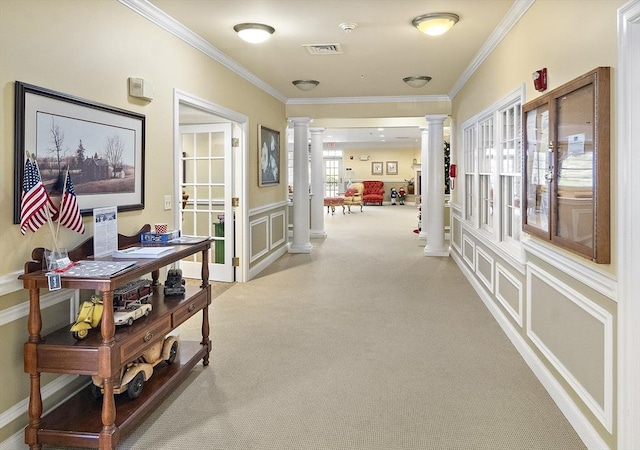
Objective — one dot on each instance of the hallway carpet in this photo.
(363, 344)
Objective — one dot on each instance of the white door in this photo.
(206, 178)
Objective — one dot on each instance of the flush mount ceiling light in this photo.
(417, 82)
(435, 24)
(254, 32)
(305, 85)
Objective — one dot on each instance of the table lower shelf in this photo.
(77, 422)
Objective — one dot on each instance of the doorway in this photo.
(209, 178)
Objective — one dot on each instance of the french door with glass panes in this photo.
(333, 173)
(206, 184)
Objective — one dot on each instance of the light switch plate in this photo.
(167, 202)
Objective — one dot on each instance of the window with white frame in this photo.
(486, 171)
(492, 166)
(469, 171)
(510, 171)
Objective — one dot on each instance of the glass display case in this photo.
(566, 166)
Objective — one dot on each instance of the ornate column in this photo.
(433, 213)
(317, 185)
(300, 242)
(424, 157)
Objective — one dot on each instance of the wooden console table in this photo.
(83, 421)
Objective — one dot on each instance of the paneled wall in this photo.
(562, 325)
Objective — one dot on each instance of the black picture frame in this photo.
(268, 156)
(102, 146)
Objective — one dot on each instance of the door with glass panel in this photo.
(206, 185)
(333, 173)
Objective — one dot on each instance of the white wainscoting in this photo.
(503, 273)
(255, 225)
(18, 312)
(469, 252)
(604, 412)
(481, 254)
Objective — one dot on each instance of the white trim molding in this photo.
(272, 217)
(518, 9)
(168, 23)
(603, 412)
(599, 281)
(9, 283)
(488, 282)
(252, 225)
(628, 223)
(574, 415)
(504, 272)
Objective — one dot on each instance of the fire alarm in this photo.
(540, 79)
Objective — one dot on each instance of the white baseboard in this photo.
(259, 267)
(578, 421)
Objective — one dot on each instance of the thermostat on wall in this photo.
(140, 88)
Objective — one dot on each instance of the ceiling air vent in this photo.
(324, 49)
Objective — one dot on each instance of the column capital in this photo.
(433, 118)
(317, 130)
(300, 120)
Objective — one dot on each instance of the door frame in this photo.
(628, 220)
(240, 165)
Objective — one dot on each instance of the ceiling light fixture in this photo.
(305, 85)
(417, 81)
(435, 24)
(254, 32)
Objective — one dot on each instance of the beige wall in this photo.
(89, 49)
(560, 306)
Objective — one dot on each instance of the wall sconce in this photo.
(254, 32)
(540, 79)
(417, 81)
(435, 24)
(305, 85)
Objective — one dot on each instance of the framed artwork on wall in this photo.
(99, 146)
(376, 168)
(269, 156)
(392, 167)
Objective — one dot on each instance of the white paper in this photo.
(576, 144)
(105, 231)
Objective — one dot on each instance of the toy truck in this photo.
(134, 374)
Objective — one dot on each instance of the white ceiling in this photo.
(382, 50)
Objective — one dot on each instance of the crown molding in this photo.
(512, 17)
(166, 22)
(382, 99)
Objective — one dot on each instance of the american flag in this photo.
(36, 204)
(69, 211)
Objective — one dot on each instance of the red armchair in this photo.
(373, 192)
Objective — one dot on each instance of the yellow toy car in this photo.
(134, 374)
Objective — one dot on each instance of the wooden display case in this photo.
(566, 166)
(83, 421)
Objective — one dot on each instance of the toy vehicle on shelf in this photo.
(134, 374)
(133, 311)
(89, 317)
(174, 285)
(135, 290)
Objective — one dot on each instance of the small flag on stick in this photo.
(36, 206)
(70, 216)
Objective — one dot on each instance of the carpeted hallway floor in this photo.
(363, 344)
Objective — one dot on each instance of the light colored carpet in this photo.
(363, 344)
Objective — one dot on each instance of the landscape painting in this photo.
(101, 147)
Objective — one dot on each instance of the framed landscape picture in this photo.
(269, 156)
(100, 146)
(376, 168)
